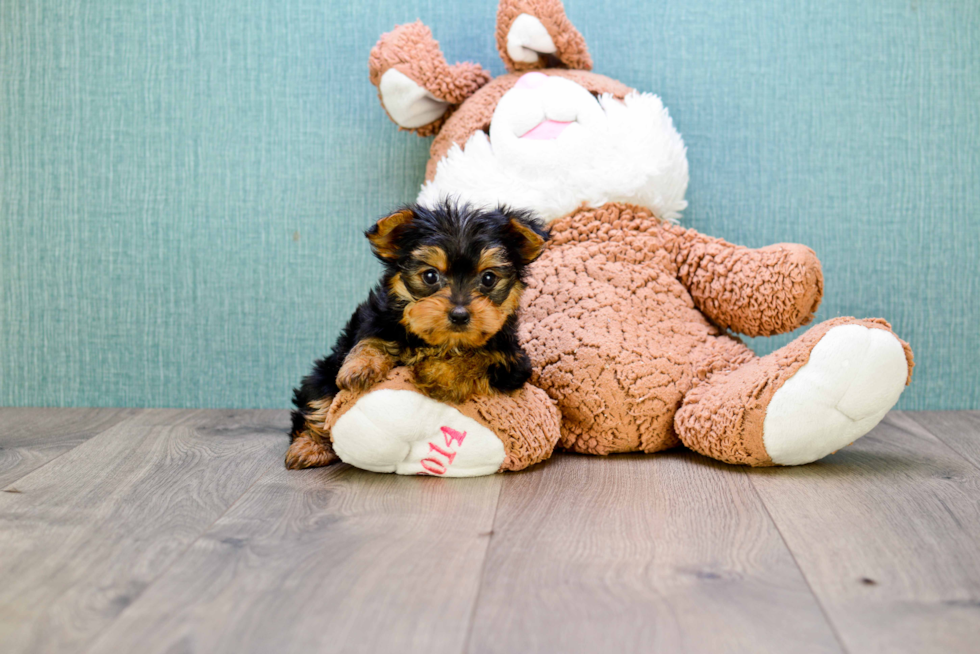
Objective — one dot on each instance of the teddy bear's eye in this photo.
(430, 277)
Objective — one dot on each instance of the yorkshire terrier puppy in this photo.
(446, 307)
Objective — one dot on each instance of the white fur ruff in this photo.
(625, 151)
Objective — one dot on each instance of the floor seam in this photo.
(792, 554)
(940, 439)
(483, 567)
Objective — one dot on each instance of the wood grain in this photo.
(887, 532)
(959, 430)
(31, 437)
(641, 553)
(90, 531)
(179, 531)
(331, 559)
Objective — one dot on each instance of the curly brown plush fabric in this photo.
(625, 320)
(614, 334)
(761, 292)
(570, 47)
(525, 421)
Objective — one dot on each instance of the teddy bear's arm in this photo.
(771, 290)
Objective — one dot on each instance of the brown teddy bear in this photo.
(628, 318)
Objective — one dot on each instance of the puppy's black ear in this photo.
(384, 234)
(529, 233)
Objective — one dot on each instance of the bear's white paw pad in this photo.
(853, 377)
(409, 434)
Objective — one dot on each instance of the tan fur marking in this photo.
(381, 234)
(492, 258)
(533, 242)
(453, 374)
(486, 318)
(398, 288)
(434, 256)
(306, 452)
(428, 318)
(366, 364)
(312, 448)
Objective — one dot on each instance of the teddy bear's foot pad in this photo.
(410, 434)
(853, 377)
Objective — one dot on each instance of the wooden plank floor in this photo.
(180, 531)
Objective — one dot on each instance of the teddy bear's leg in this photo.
(394, 428)
(804, 401)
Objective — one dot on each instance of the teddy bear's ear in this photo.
(416, 86)
(537, 34)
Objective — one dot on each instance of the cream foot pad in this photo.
(853, 377)
(409, 434)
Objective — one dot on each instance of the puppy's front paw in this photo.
(364, 367)
(360, 375)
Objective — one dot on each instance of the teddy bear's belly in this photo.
(617, 345)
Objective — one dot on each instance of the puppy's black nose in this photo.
(459, 316)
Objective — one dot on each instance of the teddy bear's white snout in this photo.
(553, 146)
(541, 108)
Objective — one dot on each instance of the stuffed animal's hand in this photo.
(756, 292)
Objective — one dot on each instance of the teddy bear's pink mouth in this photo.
(546, 130)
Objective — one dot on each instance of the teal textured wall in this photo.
(183, 184)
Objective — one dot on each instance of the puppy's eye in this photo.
(430, 277)
(488, 279)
